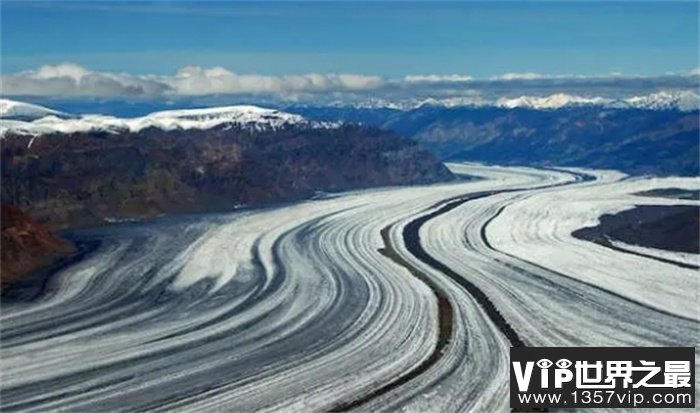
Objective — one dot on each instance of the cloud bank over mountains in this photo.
(69, 80)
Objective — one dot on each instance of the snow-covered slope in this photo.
(25, 118)
(249, 117)
(684, 100)
(240, 114)
(555, 101)
(11, 109)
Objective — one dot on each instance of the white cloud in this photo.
(520, 76)
(196, 82)
(538, 76)
(63, 70)
(694, 72)
(68, 79)
(437, 78)
(611, 75)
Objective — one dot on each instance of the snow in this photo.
(555, 101)
(246, 116)
(538, 228)
(27, 119)
(13, 109)
(684, 100)
(294, 308)
(238, 114)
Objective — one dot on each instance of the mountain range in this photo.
(660, 141)
(84, 170)
(65, 171)
(679, 99)
(656, 133)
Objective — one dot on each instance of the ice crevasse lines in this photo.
(295, 308)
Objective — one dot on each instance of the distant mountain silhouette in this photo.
(637, 141)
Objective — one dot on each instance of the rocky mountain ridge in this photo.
(26, 244)
(204, 160)
(188, 161)
(636, 141)
(19, 118)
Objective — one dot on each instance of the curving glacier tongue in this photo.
(328, 304)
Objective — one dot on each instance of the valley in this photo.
(303, 301)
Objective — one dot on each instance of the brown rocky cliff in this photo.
(26, 244)
(90, 178)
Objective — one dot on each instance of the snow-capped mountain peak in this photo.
(12, 109)
(245, 116)
(685, 100)
(555, 101)
(237, 112)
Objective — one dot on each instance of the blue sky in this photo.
(388, 39)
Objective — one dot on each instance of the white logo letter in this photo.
(523, 379)
(562, 376)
